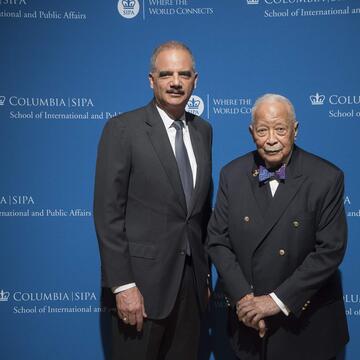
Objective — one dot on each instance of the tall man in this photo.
(277, 237)
(152, 204)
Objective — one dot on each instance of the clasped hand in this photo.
(251, 310)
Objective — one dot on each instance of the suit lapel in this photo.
(284, 195)
(259, 191)
(198, 148)
(160, 141)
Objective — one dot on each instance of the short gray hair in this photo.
(273, 98)
(170, 45)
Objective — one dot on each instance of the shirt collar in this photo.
(167, 120)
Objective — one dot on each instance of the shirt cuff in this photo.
(280, 304)
(118, 289)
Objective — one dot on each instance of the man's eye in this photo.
(281, 130)
(164, 74)
(185, 74)
(261, 131)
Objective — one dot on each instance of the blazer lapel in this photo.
(260, 195)
(198, 148)
(284, 195)
(160, 141)
(259, 191)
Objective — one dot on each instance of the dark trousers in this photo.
(173, 338)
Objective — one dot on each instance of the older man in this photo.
(277, 237)
(152, 204)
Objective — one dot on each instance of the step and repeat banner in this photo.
(66, 67)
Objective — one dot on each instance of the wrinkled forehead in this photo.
(173, 58)
(270, 111)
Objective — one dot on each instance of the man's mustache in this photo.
(176, 91)
(268, 149)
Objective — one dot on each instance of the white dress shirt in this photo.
(171, 131)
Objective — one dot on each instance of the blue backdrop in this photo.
(68, 66)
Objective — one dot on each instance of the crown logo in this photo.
(252, 2)
(128, 8)
(2, 100)
(193, 104)
(4, 295)
(128, 4)
(317, 99)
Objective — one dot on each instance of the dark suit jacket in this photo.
(140, 211)
(292, 245)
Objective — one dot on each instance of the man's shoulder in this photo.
(202, 121)
(128, 118)
(318, 166)
(198, 120)
(241, 164)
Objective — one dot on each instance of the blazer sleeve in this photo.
(113, 168)
(208, 208)
(220, 248)
(328, 252)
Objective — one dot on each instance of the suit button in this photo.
(296, 223)
(182, 252)
(246, 219)
(281, 252)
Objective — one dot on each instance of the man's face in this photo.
(173, 80)
(273, 132)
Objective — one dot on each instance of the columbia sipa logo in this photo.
(4, 295)
(252, 2)
(128, 8)
(2, 100)
(195, 105)
(317, 99)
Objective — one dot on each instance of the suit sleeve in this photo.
(328, 252)
(208, 207)
(220, 247)
(111, 186)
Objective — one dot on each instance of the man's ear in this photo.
(251, 131)
(296, 128)
(151, 80)
(196, 80)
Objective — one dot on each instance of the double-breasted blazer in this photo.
(291, 244)
(140, 212)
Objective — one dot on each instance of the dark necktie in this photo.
(183, 161)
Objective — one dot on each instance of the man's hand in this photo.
(251, 310)
(130, 307)
(260, 326)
